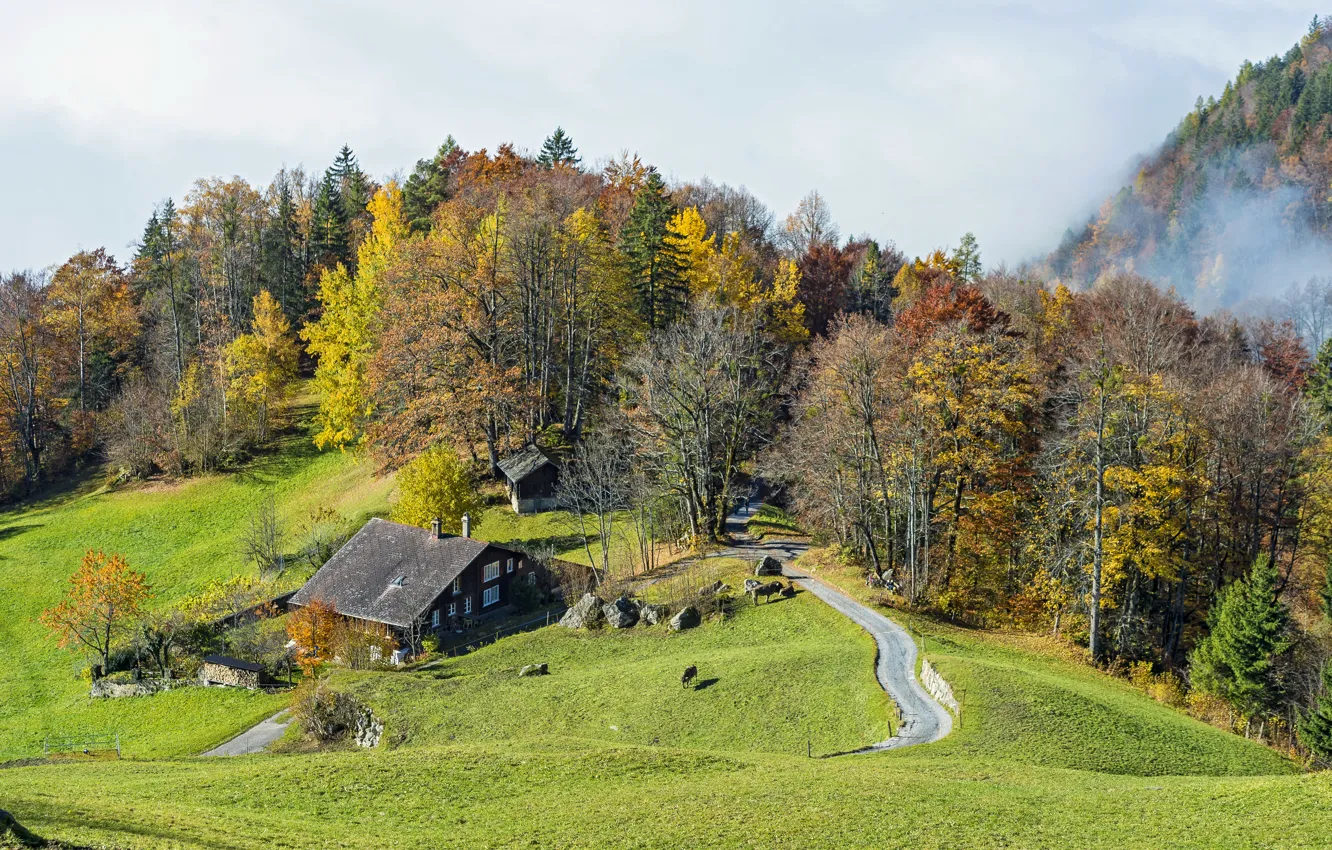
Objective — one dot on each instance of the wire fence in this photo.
(96, 745)
(486, 638)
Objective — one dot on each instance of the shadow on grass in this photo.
(703, 684)
(15, 530)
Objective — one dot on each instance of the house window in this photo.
(492, 571)
(457, 586)
(467, 605)
(531, 578)
(434, 619)
(490, 597)
(508, 567)
(453, 609)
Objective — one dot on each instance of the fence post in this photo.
(117, 745)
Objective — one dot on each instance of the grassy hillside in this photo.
(1048, 754)
(181, 535)
(771, 678)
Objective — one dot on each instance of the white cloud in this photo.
(916, 122)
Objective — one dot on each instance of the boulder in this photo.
(369, 729)
(713, 589)
(584, 614)
(653, 614)
(534, 670)
(769, 566)
(688, 618)
(752, 584)
(620, 614)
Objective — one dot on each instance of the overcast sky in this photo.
(917, 121)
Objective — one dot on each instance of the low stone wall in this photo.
(102, 689)
(937, 687)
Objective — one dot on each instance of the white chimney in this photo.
(436, 528)
(467, 525)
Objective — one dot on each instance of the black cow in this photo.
(690, 674)
(767, 591)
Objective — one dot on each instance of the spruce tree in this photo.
(559, 149)
(1248, 632)
(968, 260)
(1318, 382)
(329, 242)
(655, 269)
(428, 187)
(282, 261)
(353, 185)
(1316, 727)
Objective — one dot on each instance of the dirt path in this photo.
(923, 720)
(255, 739)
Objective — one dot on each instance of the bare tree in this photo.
(595, 485)
(262, 543)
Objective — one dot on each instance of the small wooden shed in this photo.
(232, 672)
(531, 477)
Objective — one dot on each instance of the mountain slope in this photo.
(1235, 207)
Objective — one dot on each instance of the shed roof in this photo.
(389, 572)
(234, 663)
(518, 466)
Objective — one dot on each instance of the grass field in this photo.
(181, 535)
(608, 750)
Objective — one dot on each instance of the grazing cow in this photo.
(690, 674)
(767, 591)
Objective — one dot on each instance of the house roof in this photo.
(389, 572)
(235, 663)
(519, 466)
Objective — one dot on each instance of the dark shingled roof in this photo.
(529, 460)
(389, 572)
(235, 663)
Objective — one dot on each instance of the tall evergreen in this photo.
(1248, 632)
(967, 257)
(353, 186)
(655, 267)
(1318, 382)
(330, 243)
(1316, 727)
(282, 255)
(428, 187)
(559, 149)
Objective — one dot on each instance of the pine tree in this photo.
(968, 259)
(353, 186)
(329, 243)
(1248, 632)
(282, 254)
(1318, 382)
(559, 149)
(655, 268)
(428, 187)
(1316, 727)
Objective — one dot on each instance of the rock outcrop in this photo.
(688, 618)
(620, 614)
(584, 614)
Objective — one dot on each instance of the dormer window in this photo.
(457, 586)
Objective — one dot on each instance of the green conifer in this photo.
(655, 268)
(559, 149)
(1248, 632)
(1315, 728)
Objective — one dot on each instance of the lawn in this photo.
(777, 677)
(181, 535)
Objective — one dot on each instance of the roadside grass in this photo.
(1022, 704)
(771, 520)
(182, 535)
(776, 677)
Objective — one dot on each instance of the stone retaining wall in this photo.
(937, 687)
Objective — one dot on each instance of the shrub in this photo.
(524, 597)
(325, 714)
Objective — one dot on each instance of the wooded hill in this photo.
(1235, 206)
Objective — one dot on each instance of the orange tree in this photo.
(314, 627)
(104, 600)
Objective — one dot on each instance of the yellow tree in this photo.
(261, 364)
(104, 600)
(341, 341)
(91, 310)
(437, 485)
(687, 235)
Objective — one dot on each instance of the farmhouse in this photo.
(398, 580)
(531, 476)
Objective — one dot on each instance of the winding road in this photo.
(923, 719)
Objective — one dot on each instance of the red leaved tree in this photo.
(104, 601)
